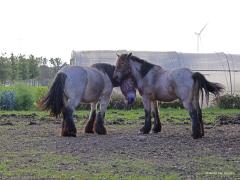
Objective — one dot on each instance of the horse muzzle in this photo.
(131, 97)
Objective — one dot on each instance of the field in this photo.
(31, 147)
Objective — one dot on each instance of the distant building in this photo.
(219, 67)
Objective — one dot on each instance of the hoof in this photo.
(196, 136)
(69, 134)
(143, 130)
(88, 129)
(156, 130)
(101, 131)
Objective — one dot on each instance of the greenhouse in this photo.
(218, 67)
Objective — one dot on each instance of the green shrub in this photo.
(8, 100)
(24, 96)
(39, 93)
(117, 101)
(229, 101)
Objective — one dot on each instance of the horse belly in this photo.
(92, 93)
(94, 88)
(166, 96)
(165, 93)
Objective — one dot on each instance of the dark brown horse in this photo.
(92, 85)
(158, 84)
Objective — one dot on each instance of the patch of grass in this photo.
(172, 177)
(171, 115)
(36, 164)
(217, 167)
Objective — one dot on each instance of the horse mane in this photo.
(145, 66)
(108, 69)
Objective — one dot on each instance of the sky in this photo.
(53, 28)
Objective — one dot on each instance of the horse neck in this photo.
(109, 70)
(135, 69)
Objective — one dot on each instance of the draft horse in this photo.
(158, 84)
(74, 85)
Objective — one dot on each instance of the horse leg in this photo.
(197, 126)
(92, 117)
(199, 115)
(199, 112)
(68, 126)
(99, 123)
(147, 107)
(157, 124)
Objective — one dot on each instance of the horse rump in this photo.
(53, 101)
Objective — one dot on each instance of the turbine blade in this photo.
(202, 29)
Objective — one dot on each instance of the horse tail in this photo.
(54, 100)
(201, 83)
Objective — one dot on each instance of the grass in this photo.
(217, 167)
(70, 167)
(136, 115)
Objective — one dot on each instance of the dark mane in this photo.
(145, 66)
(108, 69)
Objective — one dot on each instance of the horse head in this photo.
(123, 68)
(128, 88)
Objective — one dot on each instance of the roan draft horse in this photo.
(74, 85)
(158, 84)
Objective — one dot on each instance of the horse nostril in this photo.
(130, 100)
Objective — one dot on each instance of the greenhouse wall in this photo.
(218, 67)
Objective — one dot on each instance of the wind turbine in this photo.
(198, 34)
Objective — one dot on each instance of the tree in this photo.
(56, 63)
(4, 69)
(33, 70)
(14, 68)
(22, 68)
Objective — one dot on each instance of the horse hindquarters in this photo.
(200, 84)
(54, 101)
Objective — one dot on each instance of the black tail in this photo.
(53, 101)
(208, 87)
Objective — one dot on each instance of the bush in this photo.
(8, 100)
(24, 97)
(117, 101)
(229, 101)
(39, 92)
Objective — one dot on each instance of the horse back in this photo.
(85, 83)
(165, 85)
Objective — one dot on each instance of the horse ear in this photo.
(118, 55)
(129, 55)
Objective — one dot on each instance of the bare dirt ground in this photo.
(33, 148)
